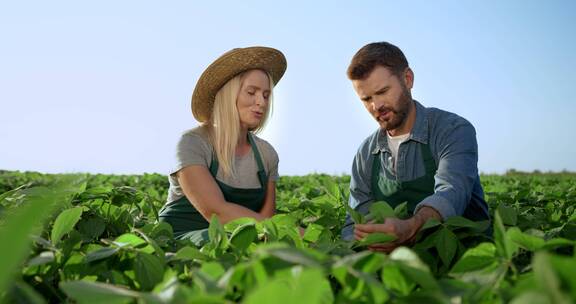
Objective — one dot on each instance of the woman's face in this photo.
(252, 102)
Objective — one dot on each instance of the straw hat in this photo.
(229, 65)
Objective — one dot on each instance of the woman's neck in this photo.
(243, 137)
(243, 146)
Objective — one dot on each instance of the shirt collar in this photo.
(418, 133)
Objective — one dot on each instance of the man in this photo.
(424, 156)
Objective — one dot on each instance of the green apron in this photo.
(395, 192)
(414, 191)
(188, 223)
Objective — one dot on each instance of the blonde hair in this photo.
(224, 124)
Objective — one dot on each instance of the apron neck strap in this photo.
(256, 152)
(261, 172)
(429, 161)
(262, 177)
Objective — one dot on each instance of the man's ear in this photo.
(408, 78)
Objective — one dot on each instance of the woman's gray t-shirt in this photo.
(194, 148)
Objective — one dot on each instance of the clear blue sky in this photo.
(105, 86)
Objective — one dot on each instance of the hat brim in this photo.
(227, 67)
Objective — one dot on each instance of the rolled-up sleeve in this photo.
(457, 169)
(360, 189)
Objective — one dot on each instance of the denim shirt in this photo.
(452, 141)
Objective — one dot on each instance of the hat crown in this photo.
(226, 67)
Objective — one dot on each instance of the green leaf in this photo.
(408, 257)
(334, 190)
(100, 254)
(15, 230)
(430, 223)
(216, 233)
(508, 214)
(375, 238)
(64, 223)
(446, 245)
(526, 241)
(394, 279)
(377, 293)
(313, 232)
(190, 253)
(401, 210)
(207, 282)
(302, 286)
(16, 190)
(26, 294)
(43, 258)
(558, 242)
(290, 254)
(214, 270)
(476, 258)
(564, 267)
(92, 227)
(548, 280)
(356, 216)
(94, 292)
(352, 259)
(259, 272)
(458, 221)
(241, 221)
(532, 297)
(243, 236)
(572, 217)
(504, 246)
(380, 210)
(149, 270)
(74, 266)
(134, 241)
(413, 268)
(371, 263)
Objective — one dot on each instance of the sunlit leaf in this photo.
(64, 223)
(94, 292)
(476, 258)
(380, 210)
(243, 236)
(376, 238)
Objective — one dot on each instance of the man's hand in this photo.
(404, 230)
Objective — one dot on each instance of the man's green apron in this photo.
(395, 192)
(188, 223)
(414, 191)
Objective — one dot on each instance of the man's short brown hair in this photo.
(374, 54)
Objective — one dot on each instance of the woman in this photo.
(223, 169)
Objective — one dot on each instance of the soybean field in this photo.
(79, 238)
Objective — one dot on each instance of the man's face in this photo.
(386, 97)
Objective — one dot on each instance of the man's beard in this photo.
(399, 115)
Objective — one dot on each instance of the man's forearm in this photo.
(424, 214)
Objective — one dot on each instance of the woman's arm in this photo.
(207, 197)
(270, 201)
